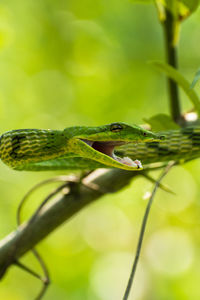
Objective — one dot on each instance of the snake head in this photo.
(98, 143)
(132, 133)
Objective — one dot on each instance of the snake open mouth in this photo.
(108, 148)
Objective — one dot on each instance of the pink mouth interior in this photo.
(107, 148)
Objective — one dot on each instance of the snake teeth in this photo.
(128, 161)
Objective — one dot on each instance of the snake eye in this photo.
(115, 127)
(144, 133)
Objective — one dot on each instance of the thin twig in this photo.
(69, 182)
(161, 186)
(46, 279)
(142, 230)
(38, 185)
(27, 269)
(52, 194)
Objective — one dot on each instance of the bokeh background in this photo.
(84, 62)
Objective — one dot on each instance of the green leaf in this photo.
(180, 9)
(161, 122)
(176, 7)
(196, 78)
(192, 5)
(180, 80)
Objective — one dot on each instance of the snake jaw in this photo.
(107, 148)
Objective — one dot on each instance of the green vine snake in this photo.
(82, 147)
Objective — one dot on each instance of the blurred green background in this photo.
(84, 62)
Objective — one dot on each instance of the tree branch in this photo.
(55, 213)
(170, 26)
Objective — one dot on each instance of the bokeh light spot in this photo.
(110, 275)
(170, 251)
(183, 185)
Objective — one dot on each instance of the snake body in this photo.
(179, 145)
(78, 147)
(30, 145)
(90, 147)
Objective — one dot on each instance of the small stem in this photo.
(169, 26)
(27, 269)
